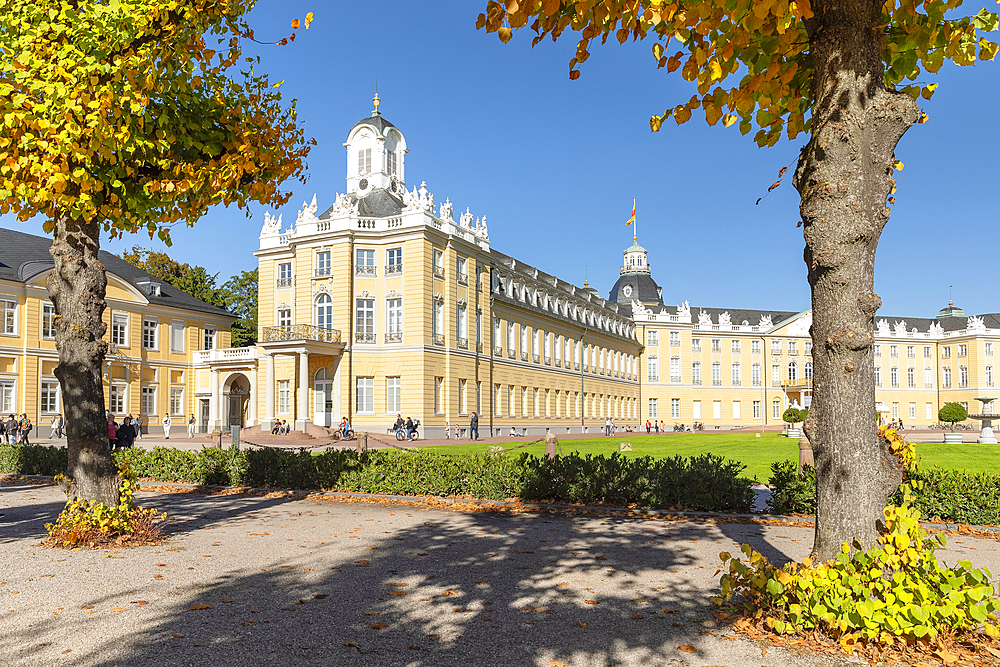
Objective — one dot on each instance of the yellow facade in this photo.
(154, 349)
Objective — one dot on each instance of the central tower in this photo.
(376, 153)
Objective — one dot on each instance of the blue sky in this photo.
(555, 163)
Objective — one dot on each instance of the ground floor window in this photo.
(716, 409)
(147, 401)
(928, 408)
(393, 395)
(283, 397)
(7, 397)
(365, 393)
(756, 409)
(176, 401)
(913, 410)
(675, 408)
(736, 410)
(50, 397)
(116, 404)
(696, 410)
(438, 407)
(776, 409)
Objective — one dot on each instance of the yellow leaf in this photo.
(504, 34)
(584, 625)
(714, 70)
(686, 648)
(309, 19)
(295, 24)
(897, 165)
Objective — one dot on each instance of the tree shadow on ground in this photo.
(777, 548)
(452, 588)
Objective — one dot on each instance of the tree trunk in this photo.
(77, 287)
(844, 176)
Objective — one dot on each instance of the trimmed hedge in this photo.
(707, 483)
(955, 496)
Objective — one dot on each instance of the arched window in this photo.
(324, 312)
(324, 375)
(793, 371)
(808, 370)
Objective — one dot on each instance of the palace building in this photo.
(388, 304)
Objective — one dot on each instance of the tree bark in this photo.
(844, 177)
(77, 287)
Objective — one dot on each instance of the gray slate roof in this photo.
(380, 124)
(23, 256)
(644, 289)
(380, 203)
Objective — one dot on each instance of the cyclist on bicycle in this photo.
(345, 427)
(411, 428)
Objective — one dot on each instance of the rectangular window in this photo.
(510, 337)
(716, 374)
(946, 352)
(461, 326)
(775, 375)
(716, 345)
(913, 411)
(50, 397)
(147, 401)
(946, 384)
(696, 345)
(716, 409)
(793, 347)
(116, 402)
(776, 409)
(756, 409)
(9, 316)
(675, 339)
(652, 409)
(989, 376)
(928, 378)
(394, 319)
(878, 350)
(989, 349)
(895, 410)
(177, 400)
(775, 347)
(285, 271)
(285, 317)
(460, 264)
(324, 267)
(696, 372)
(911, 352)
(48, 321)
(755, 347)
(734, 346)
(736, 410)
(119, 329)
(878, 376)
(534, 402)
(209, 338)
(963, 350)
(696, 410)
(675, 408)
(524, 401)
(894, 376)
(893, 351)
(364, 161)
(653, 369)
(284, 401)
(177, 337)
(927, 352)
(438, 398)
(149, 341)
(928, 411)
(364, 262)
(365, 321)
(755, 375)
(809, 347)
(911, 377)
(963, 376)
(395, 261)
(390, 162)
(510, 400)
(365, 395)
(737, 377)
(437, 258)
(675, 369)
(393, 395)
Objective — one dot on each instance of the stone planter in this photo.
(952, 438)
(793, 433)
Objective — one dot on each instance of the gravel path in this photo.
(311, 582)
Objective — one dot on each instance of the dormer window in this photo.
(364, 161)
(149, 287)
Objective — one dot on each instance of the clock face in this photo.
(627, 290)
(363, 184)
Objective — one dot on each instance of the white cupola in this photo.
(375, 156)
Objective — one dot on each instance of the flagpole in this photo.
(635, 223)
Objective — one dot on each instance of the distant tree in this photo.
(125, 116)
(953, 413)
(848, 74)
(790, 415)
(240, 293)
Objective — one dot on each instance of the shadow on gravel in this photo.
(27, 522)
(470, 589)
(755, 536)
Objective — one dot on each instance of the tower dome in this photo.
(375, 156)
(635, 282)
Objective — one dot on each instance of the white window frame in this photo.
(652, 407)
(210, 337)
(147, 400)
(9, 307)
(48, 328)
(176, 402)
(120, 334)
(675, 408)
(150, 330)
(393, 394)
(49, 397)
(284, 317)
(284, 403)
(119, 391)
(364, 395)
(175, 326)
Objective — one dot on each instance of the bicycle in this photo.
(401, 434)
(337, 436)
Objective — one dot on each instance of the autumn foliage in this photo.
(749, 58)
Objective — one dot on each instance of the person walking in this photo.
(607, 426)
(166, 426)
(126, 433)
(112, 434)
(24, 426)
(54, 427)
(12, 431)
(447, 431)
(474, 427)
(138, 427)
(191, 423)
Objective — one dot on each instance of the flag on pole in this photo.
(632, 219)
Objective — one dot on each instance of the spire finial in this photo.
(375, 101)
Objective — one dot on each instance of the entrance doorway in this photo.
(323, 392)
(204, 413)
(236, 401)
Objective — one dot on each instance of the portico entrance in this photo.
(323, 393)
(237, 401)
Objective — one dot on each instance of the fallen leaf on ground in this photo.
(582, 624)
(413, 647)
(423, 554)
(558, 663)
(591, 601)
(320, 596)
(945, 655)
(229, 600)
(118, 609)
(140, 602)
(396, 593)
(160, 564)
(397, 584)
(686, 648)
(671, 611)
(177, 636)
(600, 558)
(636, 617)
(371, 613)
(449, 592)
(198, 607)
(479, 582)
(721, 615)
(378, 626)
(302, 602)
(361, 562)
(352, 644)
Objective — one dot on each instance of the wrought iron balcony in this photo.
(324, 271)
(497, 351)
(479, 285)
(535, 358)
(394, 337)
(393, 269)
(511, 354)
(299, 332)
(360, 337)
(463, 343)
(439, 339)
(463, 279)
(285, 282)
(716, 383)
(524, 356)
(364, 270)
(479, 348)
(548, 361)
(439, 271)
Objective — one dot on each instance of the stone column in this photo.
(214, 410)
(302, 418)
(252, 416)
(269, 393)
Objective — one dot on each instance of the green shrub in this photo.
(706, 482)
(952, 412)
(791, 493)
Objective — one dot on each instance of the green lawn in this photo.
(756, 453)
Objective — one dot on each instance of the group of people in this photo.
(123, 435)
(655, 426)
(409, 425)
(14, 430)
(280, 427)
(473, 428)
